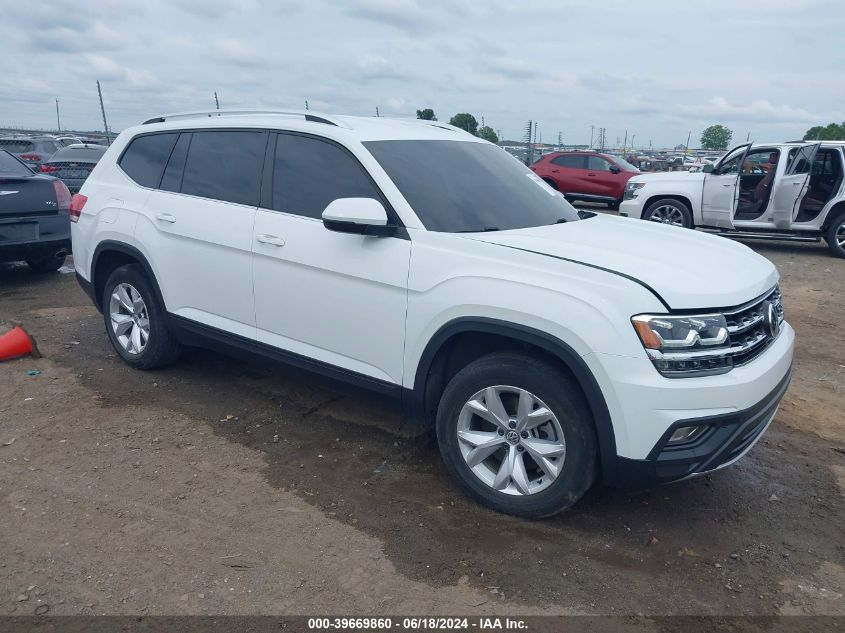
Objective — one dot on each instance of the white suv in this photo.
(547, 346)
(776, 191)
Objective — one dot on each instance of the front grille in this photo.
(748, 327)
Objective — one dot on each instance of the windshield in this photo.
(624, 164)
(460, 186)
(11, 166)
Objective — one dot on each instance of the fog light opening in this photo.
(686, 434)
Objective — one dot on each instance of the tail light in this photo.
(32, 157)
(76, 203)
(47, 169)
(62, 195)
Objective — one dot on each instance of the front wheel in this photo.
(835, 236)
(136, 321)
(517, 434)
(669, 211)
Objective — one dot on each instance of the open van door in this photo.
(793, 185)
(720, 193)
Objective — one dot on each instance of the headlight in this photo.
(686, 345)
(631, 189)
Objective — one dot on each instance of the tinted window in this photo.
(225, 166)
(82, 154)
(17, 146)
(172, 179)
(11, 166)
(309, 173)
(144, 159)
(462, 186)
(575, 161)
(597, 163)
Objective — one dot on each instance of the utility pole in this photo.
(58, 120)
(592, 127)
(103, 110)
(686, 147)
(748, 137)
(377, 114)
(216, 102)
(306, 104)
(559, 141)
(529, 149)
(633, 138)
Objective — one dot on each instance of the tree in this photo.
(465, 121)
(488, 134)
(832, 132)
(427, 114)
(716, 137)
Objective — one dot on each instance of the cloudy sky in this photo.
(658, 68)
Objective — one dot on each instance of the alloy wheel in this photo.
(840, 236)
(130, 321)
(511, 440)
(667, 214)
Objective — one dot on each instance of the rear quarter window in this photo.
(144, 160)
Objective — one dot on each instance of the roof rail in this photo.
(443, 126)
(308, 115)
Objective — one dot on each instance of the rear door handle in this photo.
(730, 185)
(273, 240)
(166, 217)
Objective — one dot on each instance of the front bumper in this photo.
(632, 208)
(727, 438)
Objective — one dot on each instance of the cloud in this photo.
(376, 67)
(235, 52)
(407, 15)
(757, 111)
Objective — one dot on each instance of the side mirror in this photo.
(707, 168)
(364, 216)
(614, 169)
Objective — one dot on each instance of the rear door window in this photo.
(144, 159)
(309, 173)
(597, 163)
(225, 165)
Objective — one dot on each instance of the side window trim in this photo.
(393, 218)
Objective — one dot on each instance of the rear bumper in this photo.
(34, 250)
(727, 438)
(88, 288)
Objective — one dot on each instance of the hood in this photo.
(666, 176)
(687, 269)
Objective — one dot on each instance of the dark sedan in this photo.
(32, 150)
(34, 216)
(73, 163)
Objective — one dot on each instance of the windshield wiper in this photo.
(486, 229)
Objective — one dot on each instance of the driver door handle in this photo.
(166, 217)
(273, 240)
(730, 185)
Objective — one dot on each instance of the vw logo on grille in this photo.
(771, 319)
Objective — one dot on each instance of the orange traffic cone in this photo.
(16, 343)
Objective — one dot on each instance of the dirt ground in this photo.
(219, 486)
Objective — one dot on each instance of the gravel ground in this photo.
(219, 486)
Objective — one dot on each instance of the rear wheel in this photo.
(136, 321)
(835, 236)
(517, 434)
(669, 211)
(49, 264)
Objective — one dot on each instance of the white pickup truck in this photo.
(776, 191)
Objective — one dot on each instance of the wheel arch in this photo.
(432, 372)
(833, 213)
(108, 256)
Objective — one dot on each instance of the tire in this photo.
(160, 347)
(49, 264)
(669, 211)
(576, 466)
(835, 236)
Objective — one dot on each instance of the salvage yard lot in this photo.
(221, 486)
